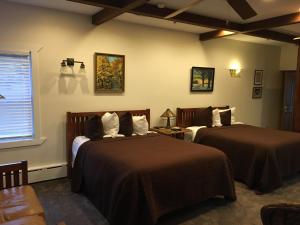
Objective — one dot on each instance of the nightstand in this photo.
(172, 133)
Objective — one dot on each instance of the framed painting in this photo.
(257, 92)
(109, 73)
(258, 77)
(202, 79)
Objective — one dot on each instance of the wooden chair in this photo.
(281, 214)
(10, 174)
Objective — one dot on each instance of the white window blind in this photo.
(16, 105)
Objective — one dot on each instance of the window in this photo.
(16, 100)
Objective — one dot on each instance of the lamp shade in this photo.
(168, 113)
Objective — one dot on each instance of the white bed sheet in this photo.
(190, 136)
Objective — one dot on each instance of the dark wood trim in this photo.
(268, 34)
(105, 15)
(112, 4)
(273, 22)
(297, 96)
(115, 8)
(75, 127)
(273, 35)
(185, 17)
(185, 116)
(242, 8)
(11, 173)
(109, 13)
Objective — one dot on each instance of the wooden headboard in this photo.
(75, 127)
(184, 116)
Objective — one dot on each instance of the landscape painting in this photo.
(109, 73)
(202, 79)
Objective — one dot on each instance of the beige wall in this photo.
(288, 57)
(158, 64)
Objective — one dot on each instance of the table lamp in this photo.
(168, 114)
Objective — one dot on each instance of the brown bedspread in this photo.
(260, 157)
(135, 180)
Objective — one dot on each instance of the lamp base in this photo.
(168, 123)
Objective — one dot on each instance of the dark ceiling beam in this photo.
(259, 25)
(185, 17)
(109, 13)
(114, 8)
(111, 4)
(279, 21)
(268, 34)
(242, 8)
(273, 35)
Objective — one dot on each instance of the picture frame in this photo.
(257, 92)
(202, 79)
(109, 73)
(258, 77)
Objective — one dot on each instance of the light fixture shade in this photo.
(82, 71)
(67, 67)
(233, 72)
(63, 69)
(168, 113)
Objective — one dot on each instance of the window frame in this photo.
(37, 139)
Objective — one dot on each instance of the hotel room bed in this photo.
(261, 158)
(135, 180)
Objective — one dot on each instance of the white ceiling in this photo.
(213, 8)
(132, 18)
(61, 5)
(221, 9)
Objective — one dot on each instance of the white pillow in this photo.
(232, 114)
(216, 119)
(110, 123)
(140, 125)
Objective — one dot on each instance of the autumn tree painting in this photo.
(202, 79)
(109, 73)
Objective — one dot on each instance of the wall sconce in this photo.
(235, 70)
(70, 62)
(234, 73)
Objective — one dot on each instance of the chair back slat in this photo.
(16, 178)
(11, 174)
(1, 180)
(8, 179)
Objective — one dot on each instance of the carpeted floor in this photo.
(62, 205)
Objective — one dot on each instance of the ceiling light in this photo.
(226, 33)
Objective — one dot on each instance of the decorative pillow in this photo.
(232, 113)
(203, 117)
(110, 123)
(226, 118)
(216, 119)
(93, 128)
(126, 126)
(140, 125)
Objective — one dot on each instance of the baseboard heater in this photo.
(49, 172)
